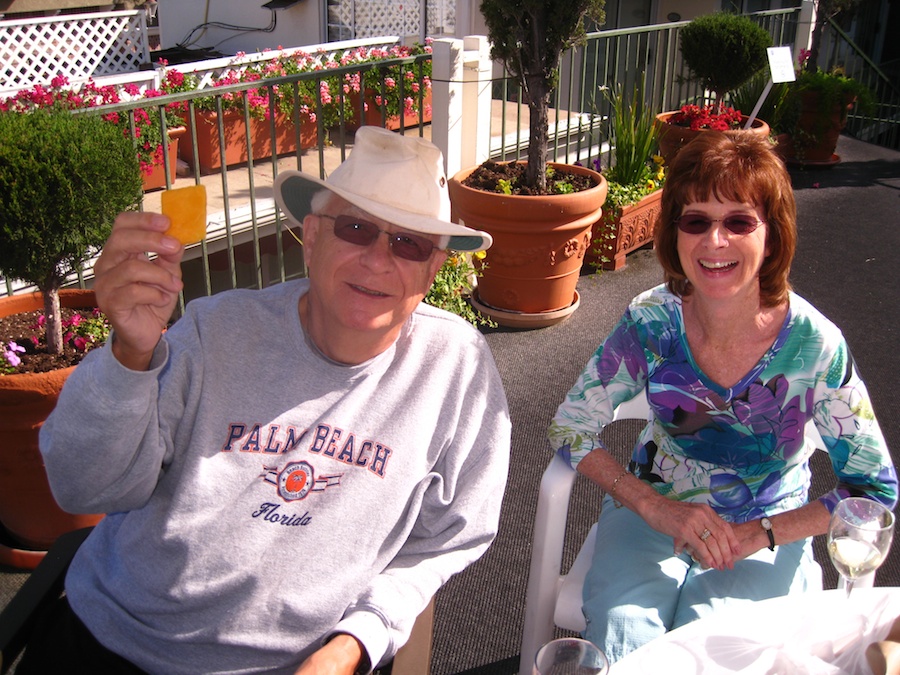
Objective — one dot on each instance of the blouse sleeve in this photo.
(844, 418)
(616, 372)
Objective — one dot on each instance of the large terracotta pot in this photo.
(672, 138)
(235, 137)
(816, 133)
(632, 229)
(156, 179)
(539, 243)
(28, 512)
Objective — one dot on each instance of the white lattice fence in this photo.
(79, 46)
(382, 17)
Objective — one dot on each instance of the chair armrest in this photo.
(547, 549)
(43, 586)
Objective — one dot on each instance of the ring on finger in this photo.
(705, 534)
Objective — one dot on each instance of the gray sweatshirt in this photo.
(261, 497)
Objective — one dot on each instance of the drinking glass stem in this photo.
(849, 584)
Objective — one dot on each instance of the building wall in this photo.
(300, 24)
(685, 9)
(15, 6)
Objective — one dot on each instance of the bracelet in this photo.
(612, 490)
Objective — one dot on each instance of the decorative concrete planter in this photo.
(633, 229)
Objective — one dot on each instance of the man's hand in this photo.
(138, 295)
(340, 656)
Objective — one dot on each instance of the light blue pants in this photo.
(637, 589)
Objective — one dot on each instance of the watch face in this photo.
(767, 525)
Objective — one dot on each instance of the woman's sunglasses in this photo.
(696, 223)
(363, 233)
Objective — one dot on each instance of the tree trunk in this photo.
(538, 105)
(53, 318)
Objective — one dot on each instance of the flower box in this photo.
(372, 114)
(634, 229)
(235, 136)
(156, 179)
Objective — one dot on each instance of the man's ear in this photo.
(310, 233)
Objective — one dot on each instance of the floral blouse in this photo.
(741, 450)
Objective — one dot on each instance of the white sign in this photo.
(781, 64)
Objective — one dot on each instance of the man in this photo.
(290, 474)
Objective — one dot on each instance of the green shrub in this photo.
(63, 179)
(724, 50)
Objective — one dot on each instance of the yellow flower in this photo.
(660, 174)
(659, 159)
(651, 185)
(481, 255)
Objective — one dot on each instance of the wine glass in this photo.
(570, 656)
(859, 537)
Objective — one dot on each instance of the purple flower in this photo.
(10, 354)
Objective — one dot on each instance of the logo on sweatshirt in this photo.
(297, 479)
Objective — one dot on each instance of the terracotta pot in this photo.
(539, 242)
(817, 132)
(235, 137)
(28, 511)
(672, 138)
(634, 229)
(157, 177)
(372, 114)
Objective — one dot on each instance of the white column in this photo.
(461, 101)
(446, 99)
(805, 24)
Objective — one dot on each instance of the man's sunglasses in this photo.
(363, 233)
(696, 223)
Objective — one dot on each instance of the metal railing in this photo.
(248, 244)
(581, 129)
(882, 125)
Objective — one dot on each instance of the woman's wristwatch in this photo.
(767, 526)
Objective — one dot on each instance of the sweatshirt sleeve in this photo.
(103, 445)
(459, 510)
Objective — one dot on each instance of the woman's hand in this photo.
(138, 295)
(339, 656)
(695, 528)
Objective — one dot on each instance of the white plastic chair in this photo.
(552, 598)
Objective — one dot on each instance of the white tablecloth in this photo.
(818, 633)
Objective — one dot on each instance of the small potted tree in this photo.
(814, 108)
(539, 214)
(63, 178)
(722, 51)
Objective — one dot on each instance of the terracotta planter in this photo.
(816, 132)
(634, 229)
(28, 511)
(672, 137)
(372, 114)
(235, 137)
(539, 243)
(157, 177)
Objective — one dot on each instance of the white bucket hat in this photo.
(396, 178)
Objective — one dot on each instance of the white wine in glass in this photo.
(859, 537)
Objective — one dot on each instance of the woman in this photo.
(734, 364)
